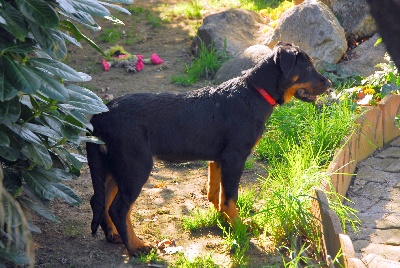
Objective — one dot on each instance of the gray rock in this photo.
(236, 65)
(364, 58)
(234, 29)
(313, 27)
(354, 17)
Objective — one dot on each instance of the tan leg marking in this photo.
(228, 208)
(135, 244)
(214, 183)
(111, 190)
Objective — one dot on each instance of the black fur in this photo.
(220, 124)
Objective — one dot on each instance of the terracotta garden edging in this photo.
(375, 129)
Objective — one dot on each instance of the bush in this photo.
(42, 112)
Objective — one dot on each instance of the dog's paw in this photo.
(114, 238)
(145, 248)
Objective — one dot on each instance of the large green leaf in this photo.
(50, 41)
(2, 21)
(9, 153)
(119, 8)
(39, 184)
(4, 140)
(126, 2)
(14, 256)
(16, 24)
(91, 139)
(75, 164)
(10, 111)
(66, 6)
(57, 68)
(76, 118)
(83, 18)
(67, 194)
(90, 6)
(54, 123)
(55, 174)
(43, 130)
(85, 100)
(42, 211)
(25, 134)
(19, 48)
(70, 27)
(20, 77)
(38, 154)
(39, 12)
(7, 91)
(51, 87)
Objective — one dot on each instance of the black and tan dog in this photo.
(220, 124)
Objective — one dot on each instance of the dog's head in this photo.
(286, 72)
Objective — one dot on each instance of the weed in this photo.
(152, 257)
(201, 261)
(205, 66)
(111, 35)
(154, 21)
(73, 230)
(237, 239)
(200, 219)
(190, 10)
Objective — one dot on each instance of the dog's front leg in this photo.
(214, 183)
(232, 166)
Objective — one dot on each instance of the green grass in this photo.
(111, 35)
(190, 10)
(237, 240)
(322, 128)
(201, 261)
(200, 219)
(299, 143)
(205, 66)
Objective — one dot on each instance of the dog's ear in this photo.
(285, 57)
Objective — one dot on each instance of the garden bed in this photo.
(376, 128)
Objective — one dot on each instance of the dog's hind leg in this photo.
(107, 225)
(214, 183)
(132, 168)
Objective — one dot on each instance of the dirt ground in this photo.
(172, 190)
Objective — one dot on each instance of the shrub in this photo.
(42, 112)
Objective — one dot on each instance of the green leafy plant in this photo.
(200, 261)
(205, 66)
(42, 111)
(383, 82)
(200, 219)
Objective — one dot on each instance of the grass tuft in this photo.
(205, 66)
(200, 219)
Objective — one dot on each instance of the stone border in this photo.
(375, 128)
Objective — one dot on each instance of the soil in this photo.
(171, 192)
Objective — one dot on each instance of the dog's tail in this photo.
(98, 174)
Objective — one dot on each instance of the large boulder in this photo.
(355, 18)
(236, 65)
(313, 27)
(364, 58)
(233, 30)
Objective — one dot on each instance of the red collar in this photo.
(267, 97)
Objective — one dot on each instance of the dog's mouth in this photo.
(303, 95)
